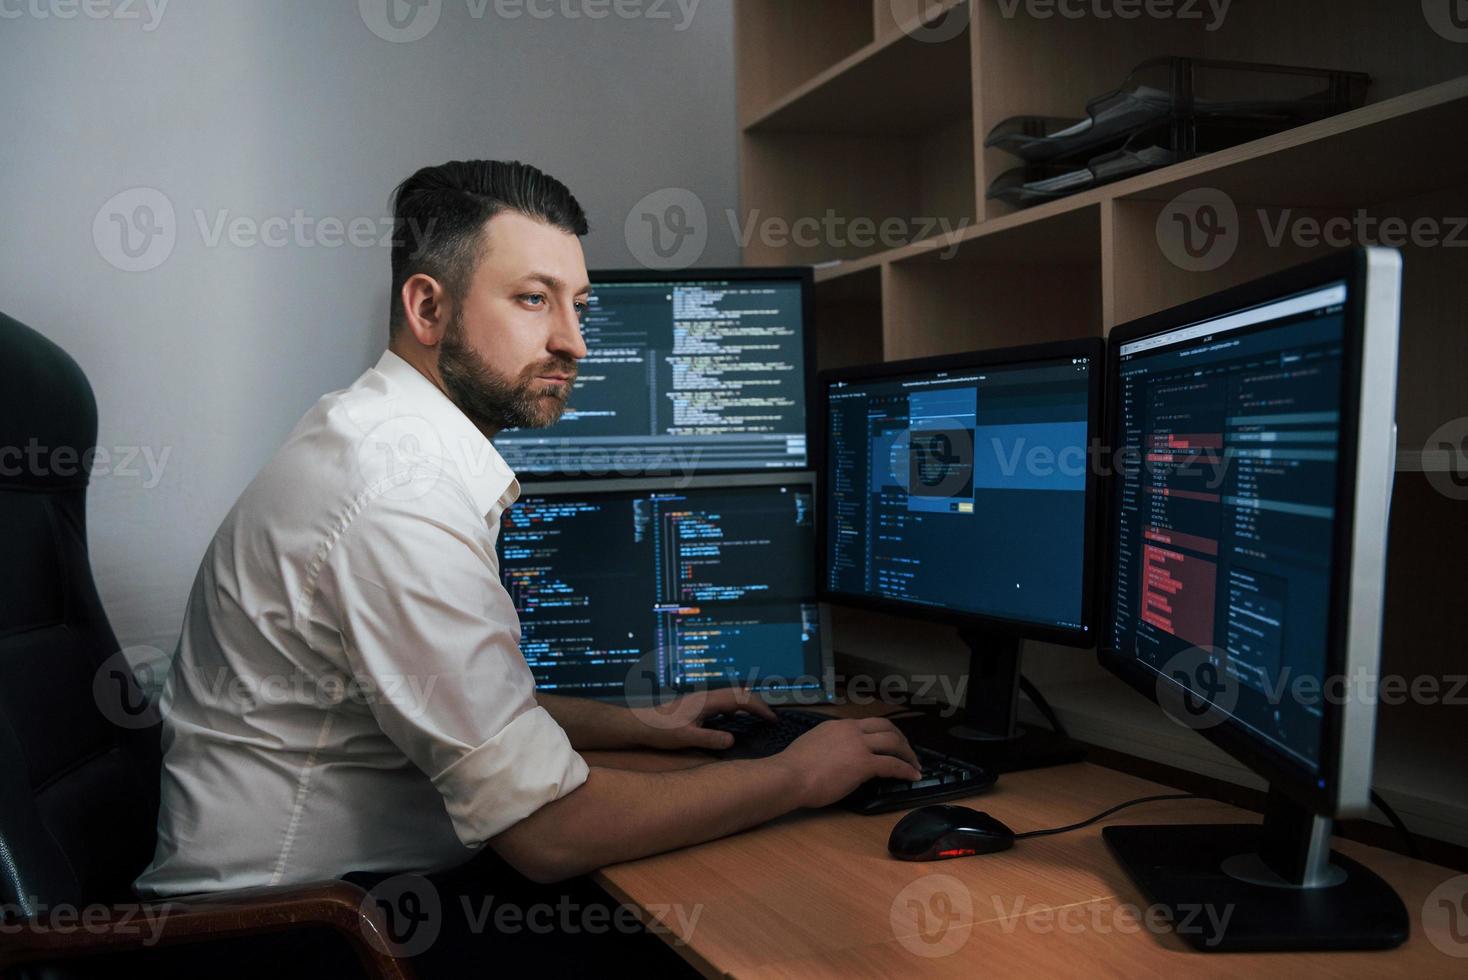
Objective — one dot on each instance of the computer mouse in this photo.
(942, 831)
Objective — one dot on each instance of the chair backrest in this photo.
(78, 792)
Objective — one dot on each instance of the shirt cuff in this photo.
(528, 764)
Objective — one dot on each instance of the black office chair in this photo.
(78, 793)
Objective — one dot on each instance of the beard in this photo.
(493, 400)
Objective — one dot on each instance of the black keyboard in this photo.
(944, 777)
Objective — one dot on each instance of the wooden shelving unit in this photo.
(877, 109)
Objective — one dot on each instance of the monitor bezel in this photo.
(1083, 636)
(804, 275)
(1344, 792)
(800, 478)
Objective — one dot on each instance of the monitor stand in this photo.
(989, 733)
(1271, 887)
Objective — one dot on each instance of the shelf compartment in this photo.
(1025, 284)
(1052, 66)
(848, 320)
(779, 45)
(899, 85)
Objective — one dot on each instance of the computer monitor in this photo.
(1248, 526)
(959, 488)
(700, 371)
(633, 591)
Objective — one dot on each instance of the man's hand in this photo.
(678, 724)
(835, 757)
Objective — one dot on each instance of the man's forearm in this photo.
(656, 812)
(594, 724)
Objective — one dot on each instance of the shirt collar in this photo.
(486, 475)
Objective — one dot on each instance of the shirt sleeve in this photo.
(429, 629)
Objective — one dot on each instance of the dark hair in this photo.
(440, 212)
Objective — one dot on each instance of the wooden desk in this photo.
(815, 894)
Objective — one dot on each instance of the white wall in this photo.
(258, 108)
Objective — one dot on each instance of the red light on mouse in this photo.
(957, 852)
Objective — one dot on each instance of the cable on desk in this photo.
(1396, 821)
(1033, 693)
(1106, 813)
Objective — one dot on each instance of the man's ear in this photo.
(427, 309)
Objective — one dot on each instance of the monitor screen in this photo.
(628, 592)
(685, 373)
(964, 488)
(1224, 512)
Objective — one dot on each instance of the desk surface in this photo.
(815, 894)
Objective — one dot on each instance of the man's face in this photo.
(508, 358)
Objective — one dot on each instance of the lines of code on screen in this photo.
(680, 376)
(706, 586)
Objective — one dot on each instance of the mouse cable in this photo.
(1396, 821)
(1408, 840)
(1106, 813)
(1033, 693)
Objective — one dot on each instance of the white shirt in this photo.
(348, 693)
